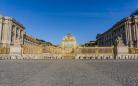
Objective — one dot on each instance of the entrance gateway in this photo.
(69, 46)
(68, 49)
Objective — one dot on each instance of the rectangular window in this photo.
(1, 31)
(16, 32)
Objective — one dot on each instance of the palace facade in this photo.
(90, 44)
(12, 32)
(126, 28)
(29, 40)
(16, 44)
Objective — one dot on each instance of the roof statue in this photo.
(69, 41)
(69, 38)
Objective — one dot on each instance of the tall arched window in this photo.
(12, 33)
(1, 32)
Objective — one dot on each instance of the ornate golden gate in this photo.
(68, 53)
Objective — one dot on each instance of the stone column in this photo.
(21, 36)
(19, 33)
(1, 27)
(14, 34)
(126, 32)
(22, 33)
(136, 33)
(130, 35)
(10, 33)
(5, 33)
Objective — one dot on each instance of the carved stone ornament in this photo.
(119, 42)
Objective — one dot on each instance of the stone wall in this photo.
(103, 53)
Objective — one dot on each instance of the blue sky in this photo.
(52, 19)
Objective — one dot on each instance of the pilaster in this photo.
(1, 27)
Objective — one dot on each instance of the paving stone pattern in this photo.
(68, 73)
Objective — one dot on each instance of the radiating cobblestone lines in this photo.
(68, 73)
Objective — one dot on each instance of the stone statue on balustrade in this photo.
(16, 48)
(120, 46)
(119, 42)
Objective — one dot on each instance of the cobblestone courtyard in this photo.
(68, 73)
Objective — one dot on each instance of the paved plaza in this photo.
(68, 73)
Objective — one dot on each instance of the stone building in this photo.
(90, 44)
(126, 28)
(13, 32)
(10, 31)
(16, 44)
(29, 40)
